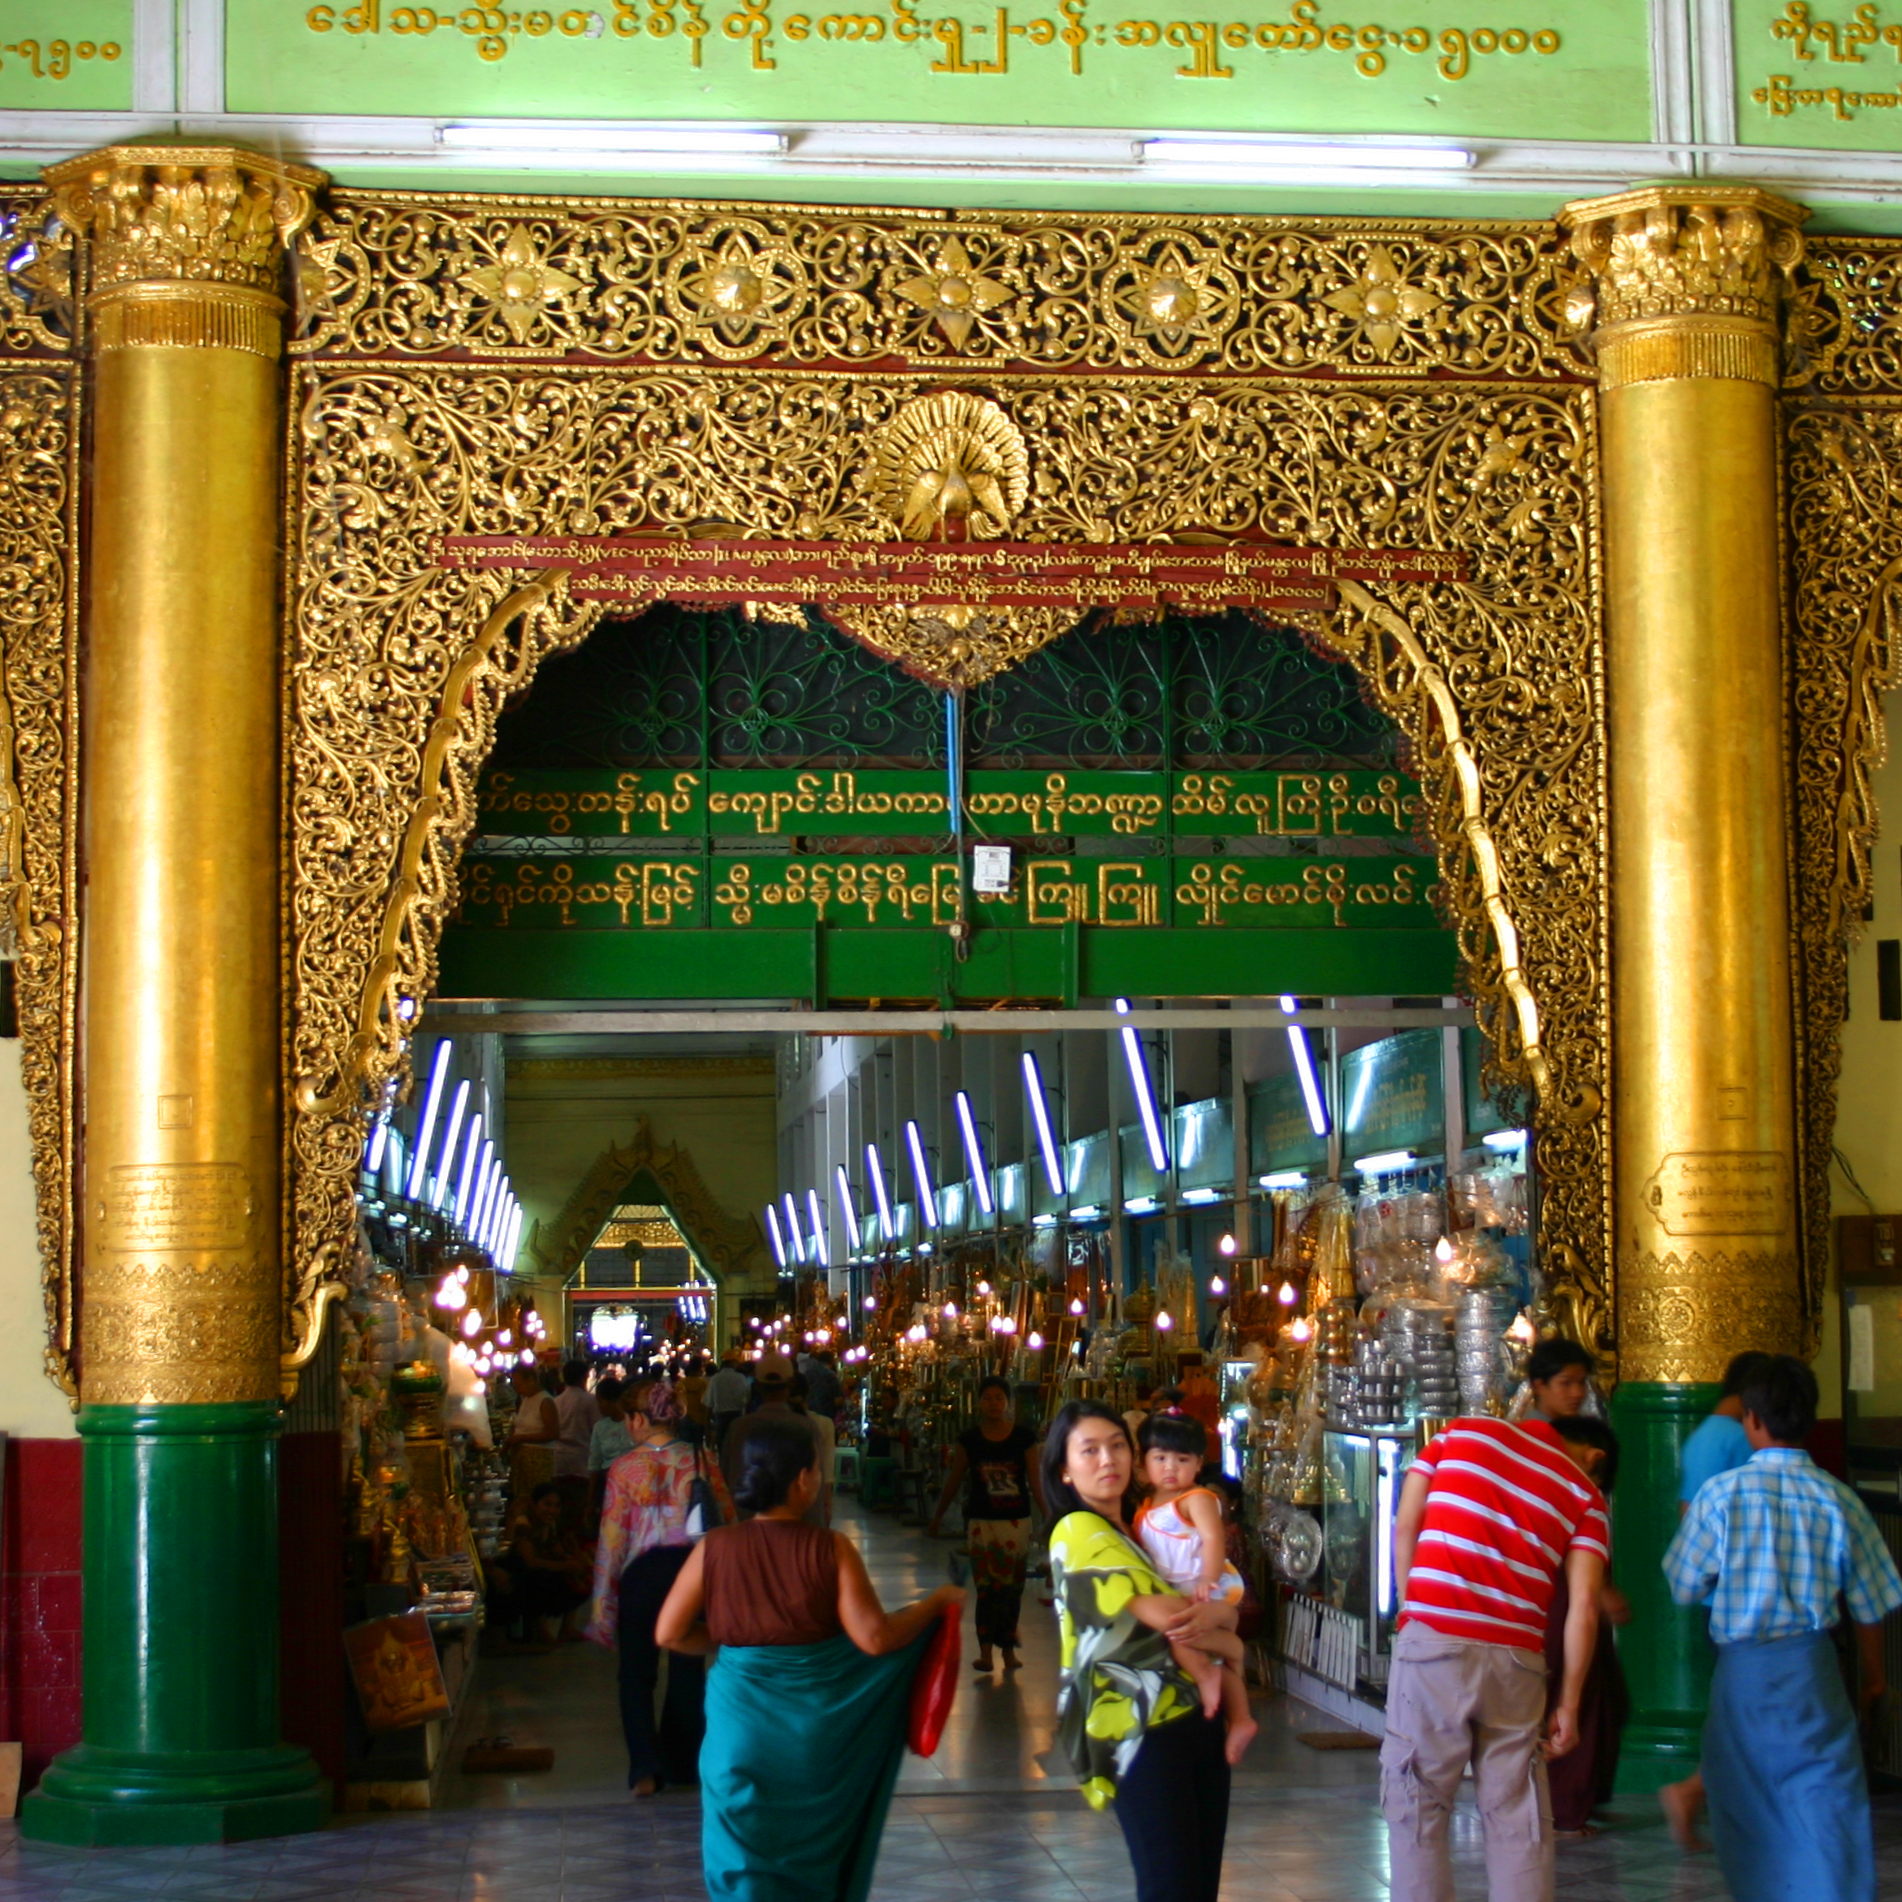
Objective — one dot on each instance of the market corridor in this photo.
(990, 1816)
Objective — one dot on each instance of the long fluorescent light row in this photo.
(560, 143)
(484, 1206)
(925, 1191)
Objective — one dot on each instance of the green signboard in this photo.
(1824, 73)
(906, 892)
(1281, 1134)
(669, 803)
(66, 55)
(1394, 1095)
(1563, 69)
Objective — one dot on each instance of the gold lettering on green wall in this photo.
(1557, 68)
(66, 55)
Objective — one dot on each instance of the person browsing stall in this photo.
(992, 1462)
(647, 1532)
(1775, 1546)
(1490, 1512)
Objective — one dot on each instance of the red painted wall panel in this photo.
(310, 1605)
(39, 1600)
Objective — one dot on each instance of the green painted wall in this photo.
(1570, 69)
(1819, 75)
(66, 55)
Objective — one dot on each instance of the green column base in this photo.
(105, 1799)
(1664, 1649)
(181, 1743)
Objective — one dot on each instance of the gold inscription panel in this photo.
(176, 1206)
(1721, 1192)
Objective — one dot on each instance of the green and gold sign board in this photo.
(788, 802)
(1560, 69)
(1819, 73)
(66, 55)
(907, 892)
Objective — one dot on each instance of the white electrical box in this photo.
(990, 868)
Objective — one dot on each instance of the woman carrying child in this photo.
(1180, 1526)
(1129, 1717)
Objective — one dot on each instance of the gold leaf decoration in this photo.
(951, 463)
(521, 284)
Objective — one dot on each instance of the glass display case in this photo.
(1356, 1566)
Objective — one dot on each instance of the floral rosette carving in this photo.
(671, 283)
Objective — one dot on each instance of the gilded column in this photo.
(180, 1253)
(1687, 283)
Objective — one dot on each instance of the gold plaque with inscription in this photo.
(1720, 1192)
(183, 1205)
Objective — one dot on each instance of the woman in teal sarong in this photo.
(1128, 1716)
(810, 1690)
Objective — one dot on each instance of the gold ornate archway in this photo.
(732, 1247)
(486, 367)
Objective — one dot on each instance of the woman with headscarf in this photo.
(809, 1694)
(647, 1532)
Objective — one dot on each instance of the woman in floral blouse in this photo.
(644, 1542)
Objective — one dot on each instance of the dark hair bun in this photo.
(774, 1451)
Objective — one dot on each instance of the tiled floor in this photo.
(989, 1816)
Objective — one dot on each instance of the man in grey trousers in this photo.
(1489, 1513)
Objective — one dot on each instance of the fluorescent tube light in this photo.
(1200, 1196)
(1142, 1205)
(876, 1170)
(498, 1207)
(774, 1236)
(846, 1209)
(445, 1173)
(793, 1234)
(1505, 1139)
(1298, 158)
(1386, 1162)
(379, 1135)
(1285, 1179)
(485, 1192)
(821, 1254)
(974, 1154)
(511, 1240)
(1043, 1221)
(1145, 1097)
(921, 1176)
(465, 1195)
(528, 140)
(1311, 1092)
(426, 1129)
(1089, 1212)
(1040, 1114)
(393, 1162)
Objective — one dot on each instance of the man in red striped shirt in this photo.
(1489, 1513)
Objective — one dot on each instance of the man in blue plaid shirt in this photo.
(1776, 1547)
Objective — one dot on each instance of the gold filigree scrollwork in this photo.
(731, 1246)
(38, 293)
(1843, 334)
(1845, 502)
(684, 283)
(39, 484)
(348, 1044)
(1516, 943)
(395, 456)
